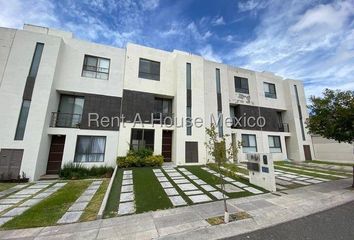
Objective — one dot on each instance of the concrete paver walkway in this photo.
(189, 222)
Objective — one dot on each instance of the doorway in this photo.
(307, 152)
(55, 154)
(10, 163)
(167, 145)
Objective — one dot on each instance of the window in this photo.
(149, 69)
(142, 138)
(274, 144)
(162, 109)
(90, 149)
(96, 67)
(269, 90)
(241, 85)
(189, 98)
(36, 60)
(70, 111)
(22, 120)
(249, 143)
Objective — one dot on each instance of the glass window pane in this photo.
(89, 74)
(271, 141)
(103, 65)
(22, 121)
(218, 86)
(252, 140)
(36, 60)
(83, 145)
(266, 87)
(91, 61)
(189, 76)
(149, 137)
(103, 76)
(98, 144)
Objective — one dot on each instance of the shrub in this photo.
(140, 158)
(78, 171)
(154, 161)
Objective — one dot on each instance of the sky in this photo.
(312, 41)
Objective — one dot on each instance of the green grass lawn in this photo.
(330, 163)
(4, 186)
(149, 194)
(91, 211)
(51, 209)
(213, 180)
(111, 209)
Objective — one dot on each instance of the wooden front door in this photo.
(307, 152)
(167, 145)
(55, 154)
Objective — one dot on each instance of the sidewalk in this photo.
(189, 222)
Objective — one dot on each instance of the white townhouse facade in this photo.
(54, 87)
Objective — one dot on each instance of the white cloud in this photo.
(251, 5)
(303, 41)
(149, 4)
(208, 53)
(218, 20)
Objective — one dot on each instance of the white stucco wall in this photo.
(332, 151)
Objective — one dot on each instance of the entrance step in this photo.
(49, 177)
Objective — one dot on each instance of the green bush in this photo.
(78, 171)
(140, 158)
(154, 161)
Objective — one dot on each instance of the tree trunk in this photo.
(222, 183)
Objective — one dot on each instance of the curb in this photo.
(106, 195)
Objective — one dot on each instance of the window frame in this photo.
(270, 94)
(149, 75)
(142, 139)
(241, 89)
(91, 142)
(96, 72)
(275, 147)
(248, 141)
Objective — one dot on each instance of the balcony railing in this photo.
(283, 127)
(67, 120)
(163, 118)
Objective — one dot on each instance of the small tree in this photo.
(332, 116)
(216, 146)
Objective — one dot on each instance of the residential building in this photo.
(65, 100)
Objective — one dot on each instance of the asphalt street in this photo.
(333, 224)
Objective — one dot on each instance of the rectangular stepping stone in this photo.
(15, 212)
(283, 182)
(229, 188)
(127, 176)
(28, 191)
(38, 186)
(253, 190)
(176, 174)
(171, 191)
(86, 198)
(166, 184)
(94, 183)
(62, 184)
(239, 184)
(51, 189)
(193, 177)
(313, 181)
(179, 181)
(43, 195)
(89, 192)
(127, 172)
(126, 208)
(194, 192)
(302, 178)
(4, 220)
(302, 183)
(11, 201)
(156, 170)
(159, 174)
(93, 187)
(218, 195)
(200, 198)
(187, 187)
(127, 188)
(176, 178)
(127, 182)
(162, 179)
(126, 197)
(170, 170)
(70, 217)
(208, 188)
(4, 207)
(177, 201)
(200, 182)
(22, 196)
(30, 202)
(78, 206)
(229, 179)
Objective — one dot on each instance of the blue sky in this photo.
(308, 40)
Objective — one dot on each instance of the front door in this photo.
(167, 145)
(307, 152)
(55, 154)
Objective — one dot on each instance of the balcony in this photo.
(65, 120)
(163, 118)
(283, 127)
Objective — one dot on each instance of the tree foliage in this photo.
(332, 116)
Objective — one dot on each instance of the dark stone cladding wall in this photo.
(137, 102)
(270, 115)
(106, 106)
